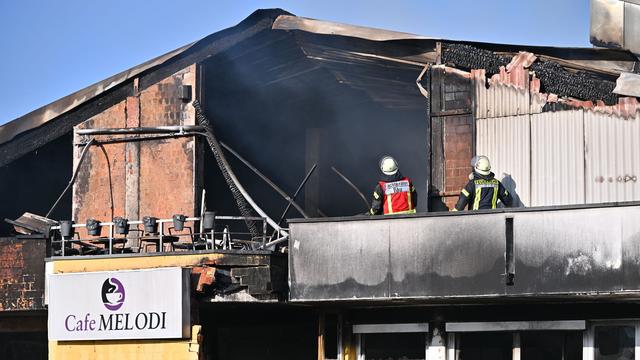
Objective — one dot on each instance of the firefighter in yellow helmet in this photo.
(483, 190)
(394, 193)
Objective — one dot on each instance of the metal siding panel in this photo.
(506, 141)
(500, 100)
(572, 251)
(460, 265)
(606, 25)
(566, 251)
(632, 27)
(557, 158)
(333, 254)
(612, 154)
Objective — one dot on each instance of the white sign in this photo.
(133, 304)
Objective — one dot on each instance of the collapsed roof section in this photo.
(362, 58)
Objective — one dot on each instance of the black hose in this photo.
(243, 206)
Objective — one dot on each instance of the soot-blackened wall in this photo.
(34, 182)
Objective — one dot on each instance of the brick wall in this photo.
(451, 135)
(21, 274)
(458, 151)
(139, 178)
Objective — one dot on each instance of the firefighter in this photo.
(394, 193)
(483, 190)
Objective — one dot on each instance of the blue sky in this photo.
(53, 48)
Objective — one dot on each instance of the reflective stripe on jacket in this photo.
(483, 192)
(394, 197)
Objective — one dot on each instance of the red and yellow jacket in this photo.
(394, 195)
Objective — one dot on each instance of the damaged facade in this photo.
(293, 100)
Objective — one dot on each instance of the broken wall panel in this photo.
(503, 96)
(612, 157)
(506, 141)
(500, 100)
(557, 158)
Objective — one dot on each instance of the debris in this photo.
(263, 177)
(29, 224)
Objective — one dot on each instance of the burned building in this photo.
(153, 202)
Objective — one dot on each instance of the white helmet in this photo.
(388, 165)
(483, 166)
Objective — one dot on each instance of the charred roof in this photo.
(581, 73)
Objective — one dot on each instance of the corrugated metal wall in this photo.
(500, 100)
(557, 158)
(564, 157)
(612, 158)
(505, 140)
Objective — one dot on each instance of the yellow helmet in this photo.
(483, 166)
(388, 165)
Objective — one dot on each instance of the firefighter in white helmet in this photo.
(394, 193)
(483, 190)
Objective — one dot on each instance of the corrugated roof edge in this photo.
(321, 27)
(59, 107)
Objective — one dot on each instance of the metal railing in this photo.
(220, 236)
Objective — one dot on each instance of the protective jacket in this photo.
(394, 194)
(483, 192)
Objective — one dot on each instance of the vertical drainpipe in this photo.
(426, 74)
(320, 335)
(509, 254)
(132, 163)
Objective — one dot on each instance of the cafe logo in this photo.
(112, 294)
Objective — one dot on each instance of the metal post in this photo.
(304, 181)
(265, 179)
(353, 186)
(451, 346)
(161, 233)
(264, 231)
(111, 239)
(213, 239)
(516, 346)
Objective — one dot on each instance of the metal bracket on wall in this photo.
(509, 255)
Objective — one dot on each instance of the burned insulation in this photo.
(556, 80)
(553, 77)
(468, 57)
